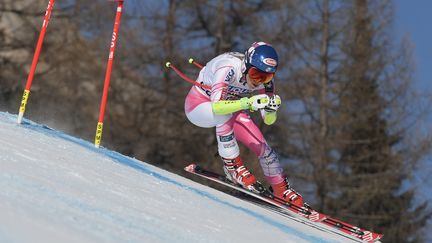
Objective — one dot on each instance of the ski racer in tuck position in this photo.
(233, 77)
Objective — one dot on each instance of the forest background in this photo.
(351, 128)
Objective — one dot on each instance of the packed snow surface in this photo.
(58, 188)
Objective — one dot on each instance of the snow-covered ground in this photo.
(57, 188)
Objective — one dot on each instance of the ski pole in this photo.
(99, 128)
(192, 61)
(183, 76)
(30, 77)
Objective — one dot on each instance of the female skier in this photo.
(233, 77)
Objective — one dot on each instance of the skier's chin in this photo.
(252, 85)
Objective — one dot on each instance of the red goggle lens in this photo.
(260, 76)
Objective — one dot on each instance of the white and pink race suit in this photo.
(225, 75)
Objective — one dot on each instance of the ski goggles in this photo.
(259, 76)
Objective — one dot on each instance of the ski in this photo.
(305, 215)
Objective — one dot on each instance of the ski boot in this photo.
(237, 173)
(284, 191)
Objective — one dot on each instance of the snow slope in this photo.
(57, 188)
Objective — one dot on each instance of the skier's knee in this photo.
(227, 146)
